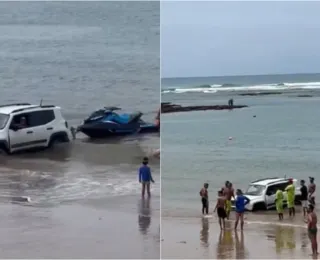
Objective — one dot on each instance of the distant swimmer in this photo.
(312, 190)
(205, 199)
(145, 177)
(304, 197)
(220, 208)
(312, 229)
(290, 189)
(228, 192)
(241, 202)
(279, 203)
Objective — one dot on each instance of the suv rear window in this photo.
(3, 120)
(38, 118)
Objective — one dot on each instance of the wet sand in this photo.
(77, 231)
(85, 202)
(263, 237)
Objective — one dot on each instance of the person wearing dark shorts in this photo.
(205, 199)
(312, 229)
(241, 202)
(220, 208)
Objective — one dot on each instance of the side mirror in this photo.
(269, 193)
(14, 127)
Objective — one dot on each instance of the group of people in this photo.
(223, 205)
(307, 198)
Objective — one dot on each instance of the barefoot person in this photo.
(312, 190)
(145, 177)
(220, 208)
(279, 203)
(241, 202)
(205, 199)
(304, 197)
(228, 192)
(290, 189)
(312, 229)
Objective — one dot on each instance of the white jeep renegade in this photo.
(24, 126)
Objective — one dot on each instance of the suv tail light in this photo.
(66, 123)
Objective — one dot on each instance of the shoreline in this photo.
(201, 238)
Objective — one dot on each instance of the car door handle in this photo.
(50, 128)
(30, 132)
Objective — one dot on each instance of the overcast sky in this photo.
(237, 38)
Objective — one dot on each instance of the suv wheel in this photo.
(259, 206)
(57, 138)
(3, 149)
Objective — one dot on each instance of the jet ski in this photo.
(106, 122)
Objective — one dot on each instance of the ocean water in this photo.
(81, 56)
(281, 140)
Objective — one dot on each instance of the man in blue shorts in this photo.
(240, 203)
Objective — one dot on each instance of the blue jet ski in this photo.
(106, 122)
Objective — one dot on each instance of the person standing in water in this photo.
(312, 190)
(205, 199)
(290, 189)
(312, 229)
(145, 177)
(279, 203)
(220, 207)
(304, 197)
(241, 202)
(228, 192)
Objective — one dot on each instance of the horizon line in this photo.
(243, 75)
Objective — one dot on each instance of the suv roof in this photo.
(270, 180)
(17, 107)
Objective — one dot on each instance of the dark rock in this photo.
(304, 96)
(260, 93)
(172, 108)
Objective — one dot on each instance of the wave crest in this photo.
(234, 87)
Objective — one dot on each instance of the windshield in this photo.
(255, 190)
(3, 120)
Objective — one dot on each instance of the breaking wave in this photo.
(234, 87)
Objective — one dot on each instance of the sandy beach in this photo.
(263, 237)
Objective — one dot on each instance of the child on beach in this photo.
(220, 207)
(279, 203)
(312, 229)
(145, 177)
(205, 199)
(241, 202)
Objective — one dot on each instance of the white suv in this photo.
(261, 193)
(24, 126)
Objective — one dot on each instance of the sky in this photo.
(239, 38)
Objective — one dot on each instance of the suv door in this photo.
(22, 138)
(271, 194)
(40, 120)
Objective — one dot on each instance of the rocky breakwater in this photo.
(173, 108)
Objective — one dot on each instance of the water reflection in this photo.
(144, 218)
(204, 233)
(225, 246)
(284, 238)
(241, 252)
